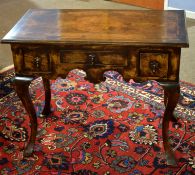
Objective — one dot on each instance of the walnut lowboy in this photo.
(140, 45)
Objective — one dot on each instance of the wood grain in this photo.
(124, 27)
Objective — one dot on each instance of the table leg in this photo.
(22, 90)
(171, 97)
(47, 108)
(169, 92)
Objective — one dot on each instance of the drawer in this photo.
(114, 58)
(153, 64)
(36, 60)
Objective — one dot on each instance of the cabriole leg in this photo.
(171, 97)
(47, 108)
(22, 90)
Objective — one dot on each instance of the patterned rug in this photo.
(110, 128)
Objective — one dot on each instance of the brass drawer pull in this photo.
(37, 61)
(92, 58)
(154, 66)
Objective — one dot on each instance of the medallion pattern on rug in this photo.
(110, 128)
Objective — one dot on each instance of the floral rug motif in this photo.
(6, 76)
(110, 128)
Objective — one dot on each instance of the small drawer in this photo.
(36, 60)
(153, 64)
(114, 58)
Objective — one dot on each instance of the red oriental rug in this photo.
(110, 128)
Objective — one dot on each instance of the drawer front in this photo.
(114, 58)
(153, 64)
(36, 60)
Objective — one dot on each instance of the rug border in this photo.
(189, 83)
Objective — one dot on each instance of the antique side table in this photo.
(141, 45)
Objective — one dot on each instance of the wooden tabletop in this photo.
(127, 27)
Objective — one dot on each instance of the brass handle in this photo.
(92, 58)
(37, 61)
(154, 66)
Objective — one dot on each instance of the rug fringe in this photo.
(6, 68)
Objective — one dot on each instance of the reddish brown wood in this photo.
(131, 62)
(140, 45)
(151, 4)
(47, 108)
(22, 90)
(172, 93)
(123, 27)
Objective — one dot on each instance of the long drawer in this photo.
(102, 58)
